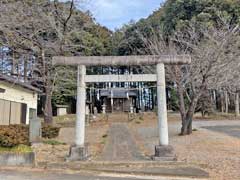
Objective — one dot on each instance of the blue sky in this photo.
(114, 13)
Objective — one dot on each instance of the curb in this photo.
(17, 159)
(166, 169)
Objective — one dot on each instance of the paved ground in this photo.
(20, 175)
(120, 145)
(229, 130)
(215, 146)
(5, 175)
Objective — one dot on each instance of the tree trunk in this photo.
(237, 104)
(187, 124)
(226, 101)
(48, 118)
(187, 121)
(13, 68)
(182, 109)
(181, 103)
(214, 100)
(222, 102)
(186, 117)
(25, 69)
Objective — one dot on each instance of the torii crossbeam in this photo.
(162, 151)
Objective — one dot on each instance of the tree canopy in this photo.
(174, 15)
(208, 30)
(32, 32)
(35, 31)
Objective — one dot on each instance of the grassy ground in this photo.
(17, 149)
(53, 142)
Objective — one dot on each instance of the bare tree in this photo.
(38, 28)
(214, 52)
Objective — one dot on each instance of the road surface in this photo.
(46, 175)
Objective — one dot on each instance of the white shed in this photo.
(18, 101)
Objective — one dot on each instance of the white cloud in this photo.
(113, 13)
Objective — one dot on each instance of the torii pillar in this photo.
(79, 151)
(163, 151)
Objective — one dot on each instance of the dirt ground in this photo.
(96, 134)
(216, 152)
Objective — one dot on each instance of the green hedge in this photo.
(14, 135)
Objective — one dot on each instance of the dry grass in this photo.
(56, 150)
(217, 153)
(217, 116)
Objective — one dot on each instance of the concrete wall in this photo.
(19, 94)
(17, 159)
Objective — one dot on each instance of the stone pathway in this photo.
(120, 145)
(118, 117)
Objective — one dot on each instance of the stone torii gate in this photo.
(162, 151)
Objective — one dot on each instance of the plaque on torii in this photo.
(162, 151)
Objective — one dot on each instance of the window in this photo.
(2, 90)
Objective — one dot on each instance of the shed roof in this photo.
(118, 93)
(15, 81)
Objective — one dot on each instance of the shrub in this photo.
(13, 135)
(49, 131)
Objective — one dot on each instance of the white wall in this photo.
(61, 111)
(19, 94)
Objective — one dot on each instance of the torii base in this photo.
(164, 153)
(78, 153)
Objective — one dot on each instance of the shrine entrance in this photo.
(162, 151)
(117, 100)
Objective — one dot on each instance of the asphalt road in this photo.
(229, 130)
(30, 175)
(51, 175)
(34, 176)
